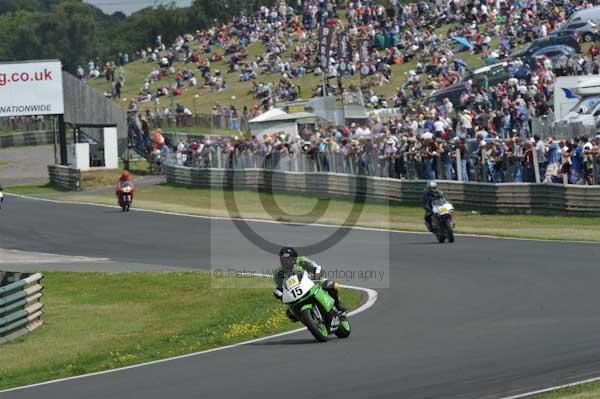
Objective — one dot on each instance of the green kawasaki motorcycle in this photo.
(314, 307)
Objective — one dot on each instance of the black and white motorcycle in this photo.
(441, 220)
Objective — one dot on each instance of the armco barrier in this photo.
(64, 178)
(41, 137)
(498, 198)
(20, 308)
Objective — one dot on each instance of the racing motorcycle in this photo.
(126, 196)
(314, 307)
(441, 220)
(1, 197)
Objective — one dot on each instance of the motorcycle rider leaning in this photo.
(431, 194)
(291, 264)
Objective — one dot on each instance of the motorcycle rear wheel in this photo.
(316, 327)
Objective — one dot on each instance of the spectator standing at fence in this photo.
(446, 151)
(577, 162)
(233, 118)
(540, 152)
(528, 159)
(553, 158)
(462, 148)
(588, 148)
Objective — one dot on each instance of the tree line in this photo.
(76, 32)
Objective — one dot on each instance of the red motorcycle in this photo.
(125, 190)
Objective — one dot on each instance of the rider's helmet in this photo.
(431, 185)
(125, 175)
(287, 257)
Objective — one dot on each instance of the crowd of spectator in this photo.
(490, 125)
(358, 150)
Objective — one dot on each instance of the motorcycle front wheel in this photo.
(449, 230)
(316, 327)
(441, 237)
(343, 330)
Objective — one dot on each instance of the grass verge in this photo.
(585, 391)
(32, 189)
(108, 177)
(96, 321)
(298, 208)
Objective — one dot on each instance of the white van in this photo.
(587, 109)
(587, 14)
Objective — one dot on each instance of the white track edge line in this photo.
(551, 389)
(290, 223)
(71, 257)
(371, 299)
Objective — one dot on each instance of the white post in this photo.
(111, 152)
(483, 166)
(458, 166)
(536, 167)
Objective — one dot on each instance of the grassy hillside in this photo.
(201, 100)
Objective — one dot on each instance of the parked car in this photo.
(587, 14)
(494, 73)
(453, 93)
(564, 39)
(586, 30)
(552, 52)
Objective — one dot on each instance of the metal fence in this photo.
(20, 309)
(407, 166)
(26, 124)
(202, 121)
(545, 127)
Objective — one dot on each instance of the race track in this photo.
(482, 318)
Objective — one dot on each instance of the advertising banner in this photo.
(31, 88)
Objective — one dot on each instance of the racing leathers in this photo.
(428, 198)
(314, 270)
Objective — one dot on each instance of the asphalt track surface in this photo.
(482, 318)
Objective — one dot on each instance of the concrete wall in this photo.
(64, 178)
(501, 198)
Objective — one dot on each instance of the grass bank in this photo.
(302, 209)
(201, 100)
(97, 321)
(585, 391)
